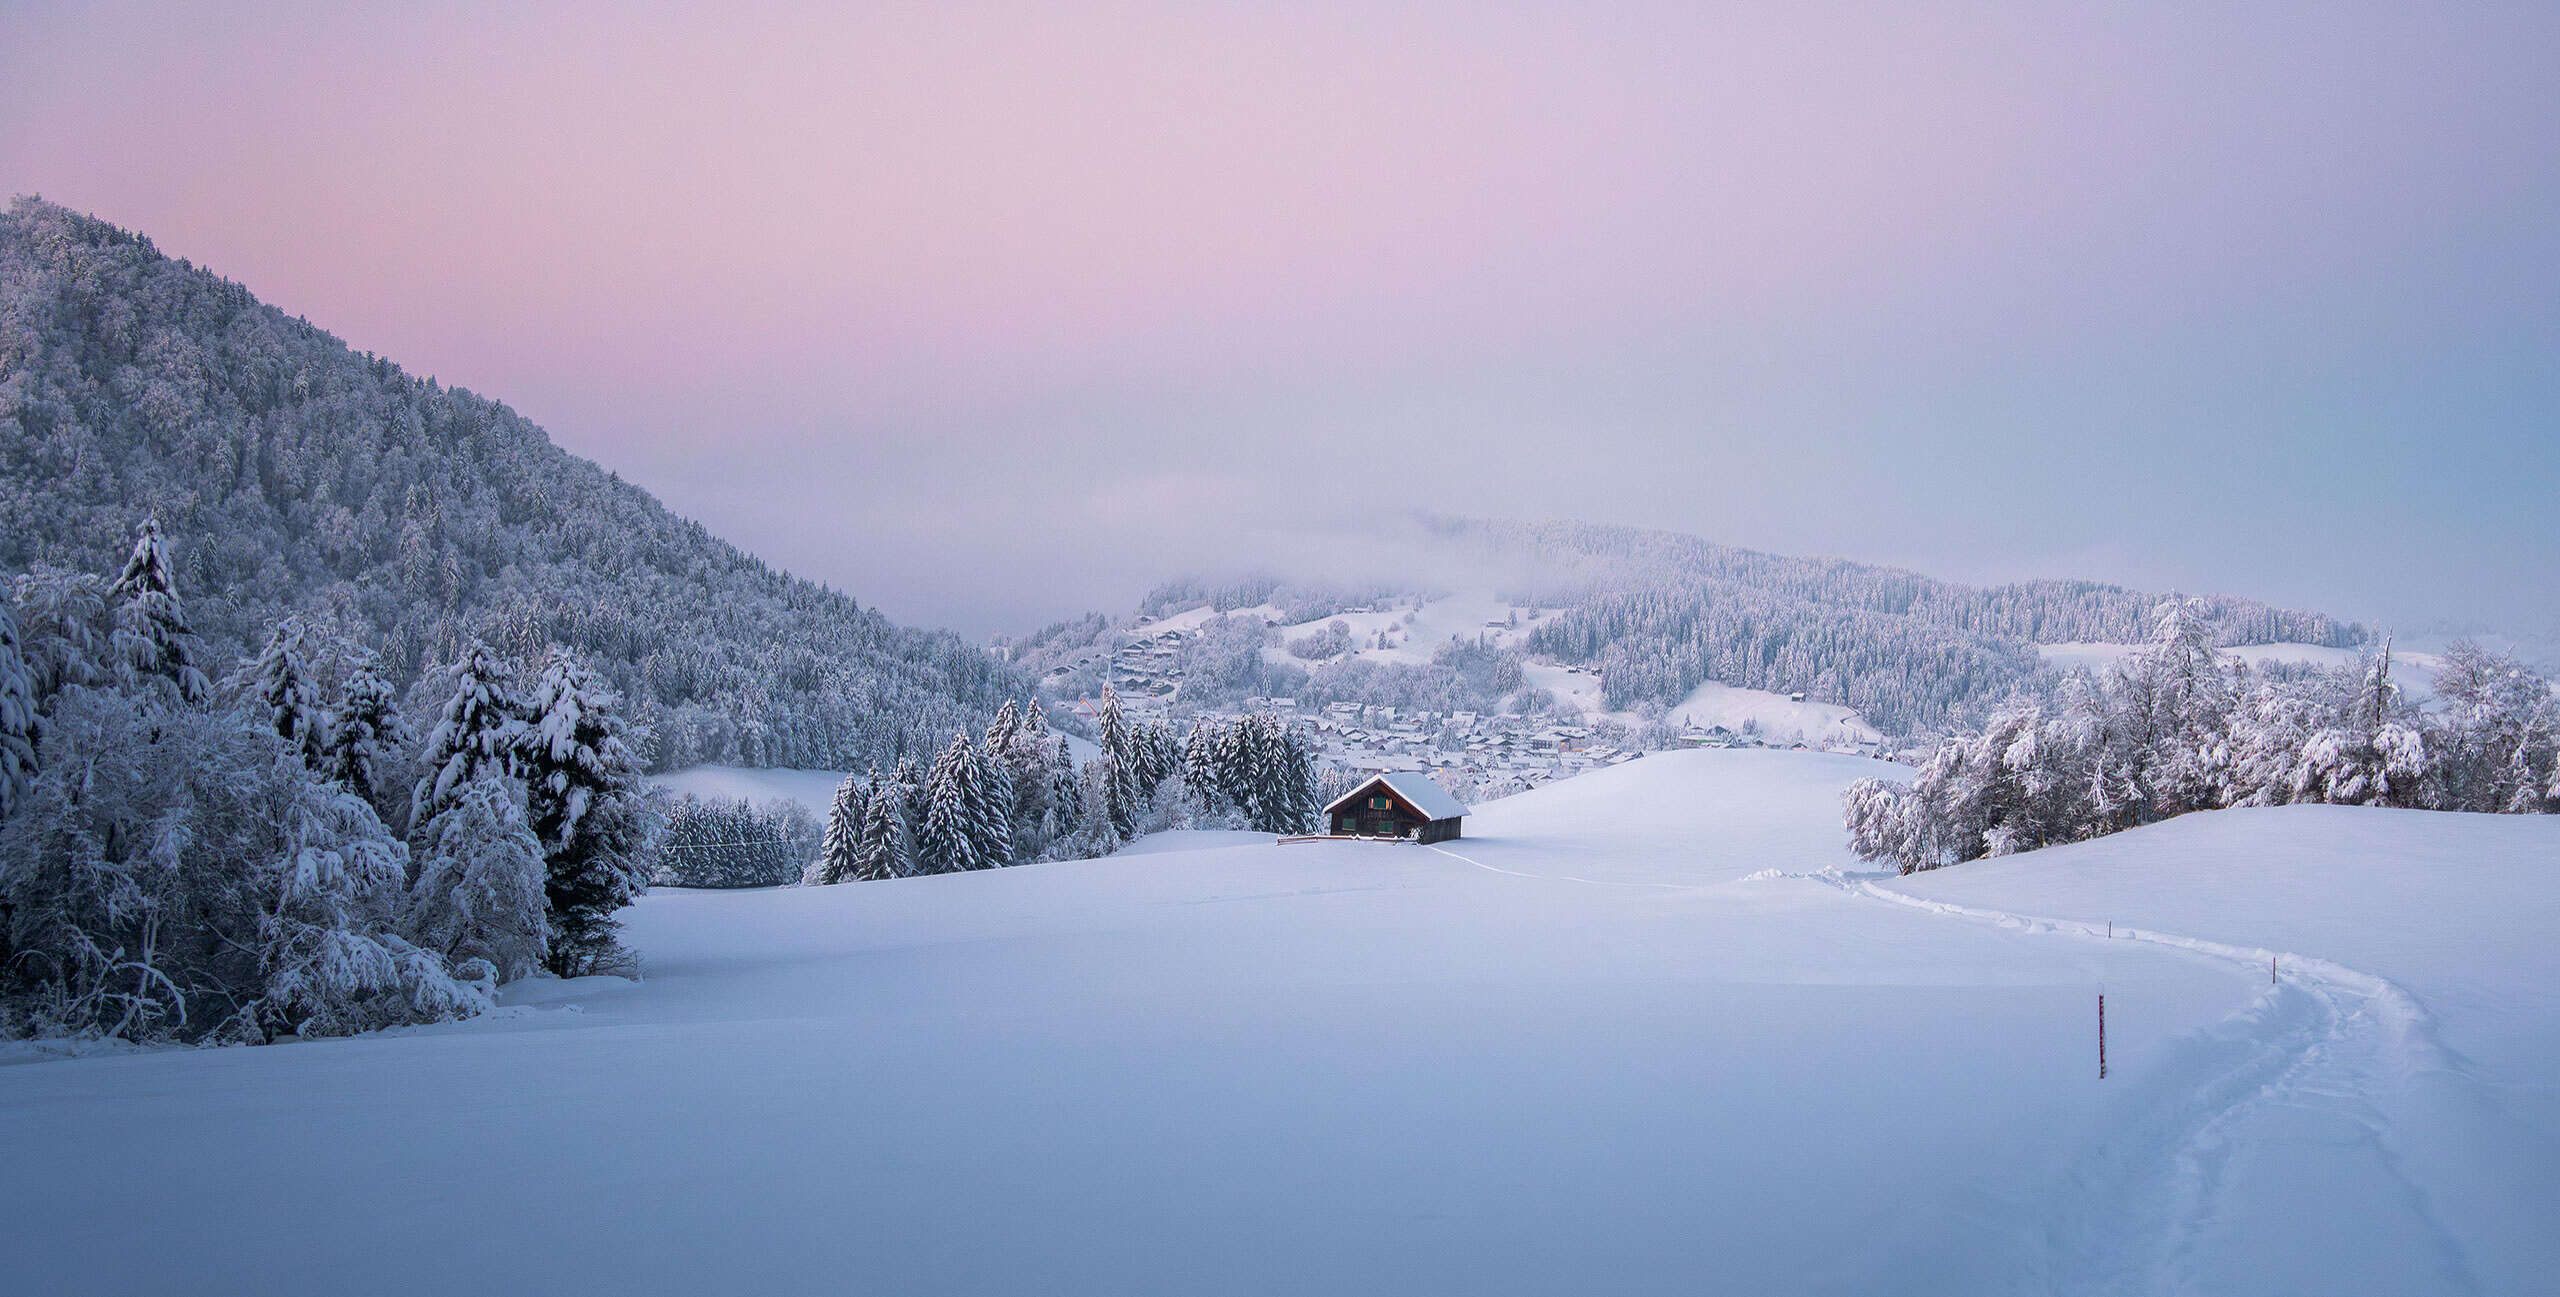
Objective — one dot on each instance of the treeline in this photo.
(1015, 795)
(316, 481)
(2178, 727)
(1659, 614)
(714, 842)
(275, 854)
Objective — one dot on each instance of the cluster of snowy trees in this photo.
(2178, 727)
(713, 842)
(1005, 797)
(1255, 772)
(272, 854)
(314, 480)
(1016, 795)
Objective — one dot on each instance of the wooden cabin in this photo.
(1399, 804)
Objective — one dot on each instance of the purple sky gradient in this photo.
(990, 314)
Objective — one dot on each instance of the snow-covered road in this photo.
(1366, 1068)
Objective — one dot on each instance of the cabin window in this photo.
(1382, 804)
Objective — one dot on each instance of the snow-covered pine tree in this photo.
(588, 807)
(1163, 753)
(1301, 779)
(17, 715)
(840, 852)
(1025, 756)
(1200, 769)
(1065, 814)
(1125, 794)
(365, 733)
(475, 737)
(1277, 788)
(151, 635)
(949, 841)
(62, 618)
(991, 803)
(881, 848)
(1001, 730)
(908, 805)
(479, 893)
(279, 683)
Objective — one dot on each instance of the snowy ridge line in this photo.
(2303, 1025)
(1560, 878)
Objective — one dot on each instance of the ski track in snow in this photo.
(2323, 1036)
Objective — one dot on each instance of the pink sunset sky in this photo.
(990, 314)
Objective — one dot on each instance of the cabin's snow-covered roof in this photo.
(1415, 787)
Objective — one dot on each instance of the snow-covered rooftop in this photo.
(1416, 788)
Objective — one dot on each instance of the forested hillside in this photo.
(1656, 614)
(293, 474)
(1659, 612)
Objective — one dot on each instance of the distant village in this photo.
(1481, 750)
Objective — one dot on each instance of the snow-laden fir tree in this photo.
(840, 852)
(1200, 768)
(1021, 740)
(950, 837)
(475, 736)
(365, 733)
(1065, 815)
(281, 685)
(908, 783)
(152, 639)
(991, 803)
(1125, 792)
(62, 632)
(17, 715)
(883, 850)
(588, 807)
(479, 893)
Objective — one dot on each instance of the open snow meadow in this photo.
(1646, 1030)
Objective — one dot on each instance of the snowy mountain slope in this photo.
(1620, 1038)
(294, 474)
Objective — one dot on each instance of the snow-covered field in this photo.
(1636, 1032)
(1779, 717)
(814, 789)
